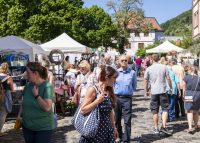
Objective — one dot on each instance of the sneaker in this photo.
(165, 130)
(156, 131)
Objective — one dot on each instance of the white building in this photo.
(195, 19)
(142, 40)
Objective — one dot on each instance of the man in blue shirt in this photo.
(124, 87)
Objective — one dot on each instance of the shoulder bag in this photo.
(87, 124)
(190, 98)
(2, 92)
(8, 102)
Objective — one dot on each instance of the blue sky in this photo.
(162, 10)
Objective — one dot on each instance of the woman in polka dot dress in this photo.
(103, 96)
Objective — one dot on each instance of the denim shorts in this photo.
(159, 100)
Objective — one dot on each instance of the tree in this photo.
(38, 20)
(43, 20)
(125, 11)
(194, 47)
(93, 27)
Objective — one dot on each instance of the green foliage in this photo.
(39, 20)
(194, 47)
(94, 27)
(185, 43)
(141, 52)
(179, 26)
(155, 44)
(43, 20)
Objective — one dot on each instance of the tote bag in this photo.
(87, 124)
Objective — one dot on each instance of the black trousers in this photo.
(124, 107)
(179, 106)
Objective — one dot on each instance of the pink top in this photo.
(138, 61)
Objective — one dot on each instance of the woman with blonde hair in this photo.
(5, 90)
(191, 94)
(163, 61)
(84, 79)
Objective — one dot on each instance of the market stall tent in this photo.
(165, 47)
(14, 44)
(66, 44)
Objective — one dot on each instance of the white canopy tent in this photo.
(165, 47)
(14, 44)
(66, 44)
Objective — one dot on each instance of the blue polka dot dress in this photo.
(105, 132)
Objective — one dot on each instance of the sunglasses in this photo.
(124, 60)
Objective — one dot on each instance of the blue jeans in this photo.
(171, 113)
(138, 70)
(124, 105)
(37, 136)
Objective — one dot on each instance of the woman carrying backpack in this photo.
(6, 87)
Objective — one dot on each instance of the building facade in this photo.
(195, 19)
(140, 40)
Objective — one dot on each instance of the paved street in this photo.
(142, 126)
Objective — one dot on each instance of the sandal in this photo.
(197, 127)
(190, 131)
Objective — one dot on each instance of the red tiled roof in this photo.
(151, 20)
(154, 23)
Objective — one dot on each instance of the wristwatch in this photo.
(37, 96)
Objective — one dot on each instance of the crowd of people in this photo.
(175, 87)
(110, 85)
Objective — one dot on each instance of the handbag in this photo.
(86, 124)
(18, 124)
(2, 92)
(8, 101)
(55, 116)
(6, 96)
(190, 98)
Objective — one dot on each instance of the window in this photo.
(146, 34)
(128, 46)
(196, 19)
(140, 46)
(137, 34)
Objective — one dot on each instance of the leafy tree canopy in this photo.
(94, 27)
(43, 20)
(38, 20)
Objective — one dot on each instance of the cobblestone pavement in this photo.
(142, 126)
